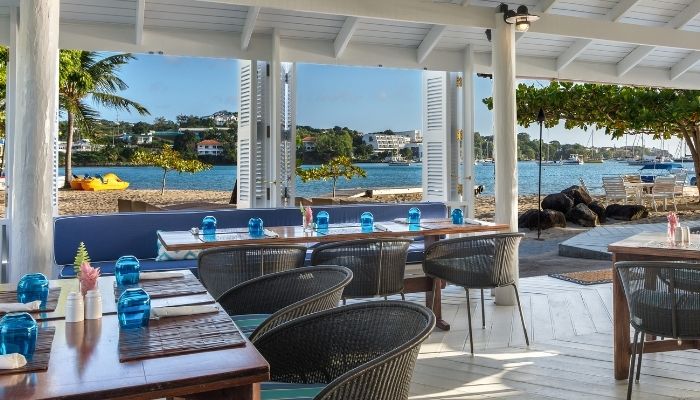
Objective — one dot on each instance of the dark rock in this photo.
(599, 209)
(579, 194)
(558, 202)
(626, 212)
(582, 215)
(548, 219)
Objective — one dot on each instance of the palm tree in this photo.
(83, 75)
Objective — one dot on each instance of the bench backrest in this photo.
(110, 236)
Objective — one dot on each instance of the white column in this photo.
(289, 153)
(504, 129)
(31, 220)
(468, 131)
(452, 177)
(275, 139)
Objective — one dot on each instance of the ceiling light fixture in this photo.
(521, 18)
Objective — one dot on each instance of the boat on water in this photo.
(573, 159)
(549, 163)
(398, 161)
(107, 182)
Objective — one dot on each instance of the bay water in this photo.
(554, 178)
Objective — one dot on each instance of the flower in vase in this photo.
(308, 216)
(88, 277)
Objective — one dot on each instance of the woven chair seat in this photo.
(289, 391)
(473, 271)
(248, 323)
(653, 313)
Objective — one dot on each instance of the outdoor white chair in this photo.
(615, 189)
(664, 189)
(681, 177)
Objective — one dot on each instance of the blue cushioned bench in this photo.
(110, 236)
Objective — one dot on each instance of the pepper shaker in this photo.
(686, 235)
(93, 305)
(679, 236)
(75, 311)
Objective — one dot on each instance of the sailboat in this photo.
(593, 159)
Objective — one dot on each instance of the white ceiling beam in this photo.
(426, 12)
(580, 45)
(429, 42)
(633, 58)
(344, 36)
(545, 6)
(249, 26)
(138, 26)
(685, 65)
(575, 50)
(678, 22)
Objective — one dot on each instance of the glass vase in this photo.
(18, 333)
(33, 287)
(126, 271)
(134, 308)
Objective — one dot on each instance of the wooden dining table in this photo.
(430, 229)
(84, 361)
(644, 247)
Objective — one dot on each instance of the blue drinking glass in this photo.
(322, 219)
(33, 287)
(255, 227)
(367, 222)
(133, 308)
(208, 225)
(126, 271)
(18, 334)
(414, 216)
(457, 216)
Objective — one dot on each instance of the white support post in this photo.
(468, 131)
(505, 139)
(31, 211)
(289, 130)
(453, 134)
(274, 145)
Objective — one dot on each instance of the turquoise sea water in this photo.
(554, 178)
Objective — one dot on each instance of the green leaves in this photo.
(169, 160)
(336, 167)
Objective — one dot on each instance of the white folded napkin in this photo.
(269, 233)
(178, 311)
(12, 361)
(144, 276)
(19, 307)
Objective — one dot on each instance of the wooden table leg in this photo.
(621, 328)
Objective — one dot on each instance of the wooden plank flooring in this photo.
(569, 357)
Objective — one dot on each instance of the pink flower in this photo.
(88, 277)
(308, 215)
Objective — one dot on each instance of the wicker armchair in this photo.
(361, 351)
(286, 295)
(663, 300)
(378, 265)
(476, 262)
(222, 268)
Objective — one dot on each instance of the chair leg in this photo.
(469, 321)
(385, 298)
(632, 364)
(483, 312)
(522, 318)
(403, 297)
(641, 353)
(344, 301)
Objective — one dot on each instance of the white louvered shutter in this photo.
(247, 141)
(288, 129)
(436, 128)
(261, 141)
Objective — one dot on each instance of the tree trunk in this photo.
(162, 186)
(68, 167)
(335, 180)
(692, 138)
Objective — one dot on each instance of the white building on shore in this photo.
(381, 142)
(210, 148)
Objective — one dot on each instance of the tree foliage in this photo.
(4, 58)
(335, 168)
(619, 110)
(86, 75)
(168, 160)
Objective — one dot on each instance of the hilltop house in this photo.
(210, 148)
(309, 143)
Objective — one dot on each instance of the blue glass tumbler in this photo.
(367, 222)
(457, 216)
(208, 225)
(18, 334)
(33, 287)
(134, 308)
(255, 228)
(322, 219)
(414, 218)
(126, 271)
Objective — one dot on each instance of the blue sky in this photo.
(366, 99)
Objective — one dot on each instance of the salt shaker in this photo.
(75, 311)
(93, 305)
(686, 235)
(679, 236)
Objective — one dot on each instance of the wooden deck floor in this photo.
(569, 357)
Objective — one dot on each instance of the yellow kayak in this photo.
(108, 182)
